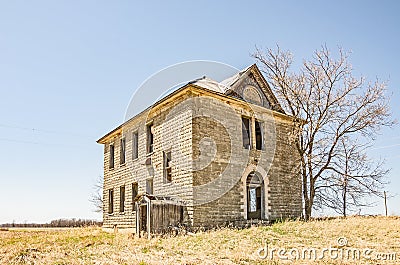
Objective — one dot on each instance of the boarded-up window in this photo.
(150, 138)
(135, 145)
(111, 156)
(246, 132)
(259, 137)
(135, 189)
(149, 186)
(122, 199)
(122, 151)
(167, 167)
(110, 201)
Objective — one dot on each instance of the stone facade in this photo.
(213, 173)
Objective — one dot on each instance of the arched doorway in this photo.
(255, 196)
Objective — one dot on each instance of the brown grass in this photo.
(225, 246)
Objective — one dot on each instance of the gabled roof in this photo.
(209, 83)
(224, 87)
(253, 71)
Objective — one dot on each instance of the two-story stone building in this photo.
(221, 152)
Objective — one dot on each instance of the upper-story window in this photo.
(150, 138)
(135, 145)
(111, 156)
(246, 132)
(122, 151)
(259, 135)
(167, 167)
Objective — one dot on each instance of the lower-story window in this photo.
(149, 186)
(167, 167)
(110, 201)
(122, 199)
(135, 189)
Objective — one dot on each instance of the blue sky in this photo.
(68, 70)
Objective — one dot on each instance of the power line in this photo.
(386, 146)
(17, 141)
(40, 143)
(44, 131)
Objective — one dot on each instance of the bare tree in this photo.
(333, 103)
(353, 177)
(96, 198)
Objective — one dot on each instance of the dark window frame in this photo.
(167, 166)
(149, 186)
(259, 134)
(122, 153)
(135, 192)
(122, 199)
(149, 138)
(111, 156)
(246, 132)
(135, 145)
(110, 201)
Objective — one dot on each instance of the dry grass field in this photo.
(373, 238)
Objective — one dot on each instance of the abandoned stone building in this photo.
(206, 154)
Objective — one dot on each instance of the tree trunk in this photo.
(344, 200)
(307, 213)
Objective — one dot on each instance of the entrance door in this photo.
(143, 218)
(254, 188)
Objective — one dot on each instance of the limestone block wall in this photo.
(285, 198)
(171, 133)
(222, 198)
(277, 162)
(133, 171)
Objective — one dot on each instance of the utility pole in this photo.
(384, 194)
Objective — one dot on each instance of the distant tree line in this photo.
(58, 223)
